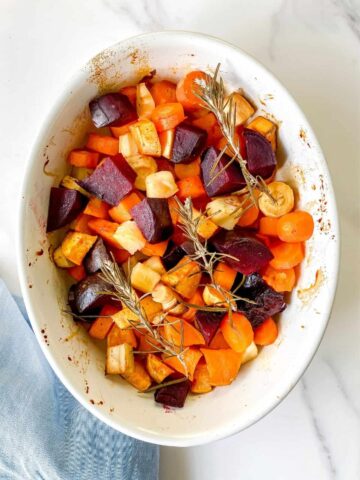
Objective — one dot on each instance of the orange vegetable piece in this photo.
(97, 208)
(102, 325)
(190, 187)
(186, 89)
(266, 333)
(167, 116)
(146, 343)
(295, 227)
(163, 92)
(209, 123)
(138, 378)
(218, 342)
(103, 144)
(185, 170)
(191, 358)
(155, 249)
(117, 336)
(280, 280)
(173, 208)
(83, 158)
(251, 213)
(237, 331)
(130, 92)
(76, 245)
(77, 272)
(223, 365)
(120, 255)
(157, 369)
(268, 226)
(184, 277)
(105, 229)
(201, 382)
(80, 224)
(121, 212)
(122, 130)
(196, 299)
(224, 275)
(286, 255)
(172, 332)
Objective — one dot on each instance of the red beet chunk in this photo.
(208, 323)
(173, 395)
(152, 216)
(189, 142)
(112, 108)
(64, 206)
(173, 254)
(111, 181)
(260, 156)
(230, 180)
(268, 301)
(88, 296)
(96, 257)
(251, 254)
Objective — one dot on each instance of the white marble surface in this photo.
(314, 48)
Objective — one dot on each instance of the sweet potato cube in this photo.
(150, 307)
(266, 127)
(167, 141)
(76, 245)
(102, 325)
(138, 378)
(157, 369)
(184, 277)
(244, 109)
(146, 137)
(125, 318)
(119, 360)
(191, 359)
(97, 208)
(201, 382)
(143, 278)
(122, 212)
(117, 336)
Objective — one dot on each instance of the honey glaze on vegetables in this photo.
(180, 241)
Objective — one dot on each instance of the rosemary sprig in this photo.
(165, 384)
(120, 288)
(211, 92)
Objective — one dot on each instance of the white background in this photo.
(314, 48)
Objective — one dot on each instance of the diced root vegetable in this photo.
(153, 218)
(143, 278)
(155, 263)
(163, 92)
(167, 116)
(166, 141)
(213, 297)
(284, 200)
(88, 294)
(79, 173)
(224, 275)
(266, 333)
(268, 226)
(243, 108)
(190, 187)
(157, 369)
(105, 230)
(118, 131)
(184, 277)
(138, 378)
(101, 327)
(177, 331)
(83, 158)
(129, 237)
(186, 170)
(144, 166)
(237, 331)
(119, 360)
(130, 92)
(78, 272)
(191, 358)
(201, 382)
(287, 255)
(111, 108)
(173, 395)
(158, 249)
(223, 365)
(225, 211)
(117, 336)
(127, 145)
(280, 280)
(295, 227)
(151, 308)
(218, 342)
(165, 296)
(122, 212)
(125, 318)
(146, 138)
(76, 245)
(208, 323)
(206, 228)
(250, 353)
(64, 206)
(71, 183)
(187, 88)
(266, 127)
(60, 259)
(145, 103)
(97, 208)
(160, 185)
(96, 257)
(261, 160)
(189, 142)
(103, 144)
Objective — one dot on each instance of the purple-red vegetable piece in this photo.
(111, 181)
(112, 108)
(229, 180)
(261, 159)
(173, 254)
(152, 216)
(173, 395)
(96, 257)
(88, 294)
(189, 141)
(208, 323)
(64, 206)
(251, 255)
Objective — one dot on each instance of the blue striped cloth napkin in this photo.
(45, 433)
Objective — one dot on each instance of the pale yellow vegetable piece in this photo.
(165, 296)
(127, 145)
(161, 185)
(244, 110)
(76, 245)
(143, 165)
(138, 378)
(145, 103)
(283, 202)
(167, 141)
(72, 184)
(143, 278)
(125, 318)
(156, 264)
(119, 359)
(250, 353)
(213, 297)
(206, 227)
(225, 211)
(81, 172)
(184, 277)
(266, 127)
(146, 137)
(60, 259)
(129, 237)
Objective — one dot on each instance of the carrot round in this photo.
(186, 90)
(223, 365)
(268, 226)
(280, 280)
(167, 116)
(266, 333)
(286, 255)
(163, 92)
(172, 332)
(237, 331)
(295, 227)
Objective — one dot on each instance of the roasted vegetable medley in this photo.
(179, 239)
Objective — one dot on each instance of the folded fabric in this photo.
(45, 433)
